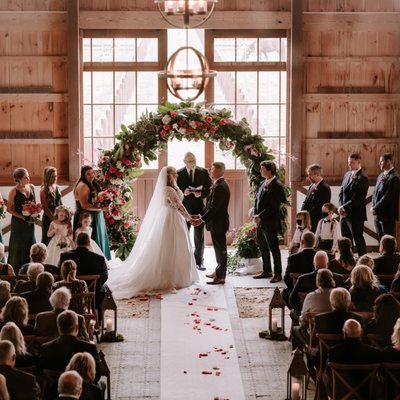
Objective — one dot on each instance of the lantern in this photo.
(297, 377)
(109, 326)
(276, 320)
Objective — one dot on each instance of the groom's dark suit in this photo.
(385, 203)
(267, 207)
(216, 218)
(195, 205)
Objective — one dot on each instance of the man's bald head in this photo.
(320, 260)
(352, 329)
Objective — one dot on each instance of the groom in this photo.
(190, 178)
(216, 218)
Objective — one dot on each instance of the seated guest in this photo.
(303, 225)
(353, 351)
(46, 322)
(5, 269)
(364, 288)
(395, 287)
(26, 286)
(3, 389)
(345, 260)
(20, 385)
(308, 282)
(16, 310)
(84, 364)
(70, 386)
(5, 293)
(38, 299)
(392, 354)
(388, 262)
(11, 332)
(315, 302)
(88, 263)
(328, 231)
(38, 254)
(56, 354)
(366, 260)
(301, 262)
(386, 313)
(68, 274)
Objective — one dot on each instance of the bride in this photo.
(162, 258)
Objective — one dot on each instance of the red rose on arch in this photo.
(112, 170)
(111, 221)
(223, 121)
(126, 161)
(172, 114)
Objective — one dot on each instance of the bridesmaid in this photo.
(50, 198)
(85, 192)
(22, 235)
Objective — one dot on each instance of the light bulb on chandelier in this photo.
(187, 9)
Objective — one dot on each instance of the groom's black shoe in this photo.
(216, 281)
(263, 275)
(201, 268)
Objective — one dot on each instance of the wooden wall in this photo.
(351, 82)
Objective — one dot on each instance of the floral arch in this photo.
(140, 142)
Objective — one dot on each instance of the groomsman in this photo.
(195, 183)
(385, 199)
(352, 203)
(318, 193)
(266, 213)
(216, 218)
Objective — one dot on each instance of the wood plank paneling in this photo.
(40, 20)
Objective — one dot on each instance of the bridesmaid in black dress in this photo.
(50, 197)
(22, 235)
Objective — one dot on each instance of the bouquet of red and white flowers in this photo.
(31, 210)
(105, 197)
(3, 208)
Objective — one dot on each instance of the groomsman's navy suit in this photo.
(385, 203)
(316, 197)
(267, 207)
(216, 218)
(195, 205)
(352, 198)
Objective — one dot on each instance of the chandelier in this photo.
(187, 9)
(187, 84)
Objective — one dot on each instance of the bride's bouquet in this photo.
(3, 208)
(31, 210)
(105, 198)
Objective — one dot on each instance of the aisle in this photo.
(198, 353)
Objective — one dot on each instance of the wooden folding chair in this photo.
(378, 341)
(365, 315)
(295, 276)
(385, 279)
(391, 373)
(91, 281)
(347, 385)
(9, 278)
(34, 342)
(105, 371)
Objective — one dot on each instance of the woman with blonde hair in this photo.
(16, 310)
(11, 332)
(38, 254)
(364, 288)
(303, 224)
(84, 364)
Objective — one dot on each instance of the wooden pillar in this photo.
(74, 78)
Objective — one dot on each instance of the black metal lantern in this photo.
(109, 326)
(297, 377)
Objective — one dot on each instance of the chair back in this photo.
(365, 315)
(82, 303)
(34, 342)
(12, 279)
(23, 277)
(391, 374)
(378, 341)
(295, 276)
(91, 281)
(353, 381)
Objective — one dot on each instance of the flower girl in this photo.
(61, 229)
(85, 220)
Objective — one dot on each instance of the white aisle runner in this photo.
(198, 355)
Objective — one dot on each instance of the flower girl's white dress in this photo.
(59, 243)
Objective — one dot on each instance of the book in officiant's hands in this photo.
(193, 189)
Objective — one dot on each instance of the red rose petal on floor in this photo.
(190, 304)
(209, 309)
(218, 373)
(216, 368)
(185, 372)
(206, 373)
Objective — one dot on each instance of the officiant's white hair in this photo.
(189, 154)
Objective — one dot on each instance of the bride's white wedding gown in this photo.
(162, 258)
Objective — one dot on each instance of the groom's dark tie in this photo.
(191, 176)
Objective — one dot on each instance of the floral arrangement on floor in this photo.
(141, 142)
(246, 241)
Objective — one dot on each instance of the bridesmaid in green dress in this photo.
(50, 198)
(85, 192)
(22, 235)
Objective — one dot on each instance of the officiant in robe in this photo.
(195, 183)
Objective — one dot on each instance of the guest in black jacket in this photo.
(318, 193)
(385, 199)
(352, 203)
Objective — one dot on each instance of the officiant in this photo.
(195, 183)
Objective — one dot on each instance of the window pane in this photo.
(224, 49)
(87, 87)
(246, 49)
(87, 155)
(102, 50)
(124, 114)
(125, 83)
(124, 49)
(147, 87)
(177, 38)
(86, 50)
(283, 87)
(273, 144)
(246, 90)
(248, 111)
(283, 121)
(103, 124)
(224, 156)
(100, 144)
(143, 108)
(269, 87)
(185, 94)
(102, 87)
(147, 49)
(232, 108)
(283, 49)
(224, 87)
(177, 149)
(269, 49)
(87, 121)
(269, 120)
